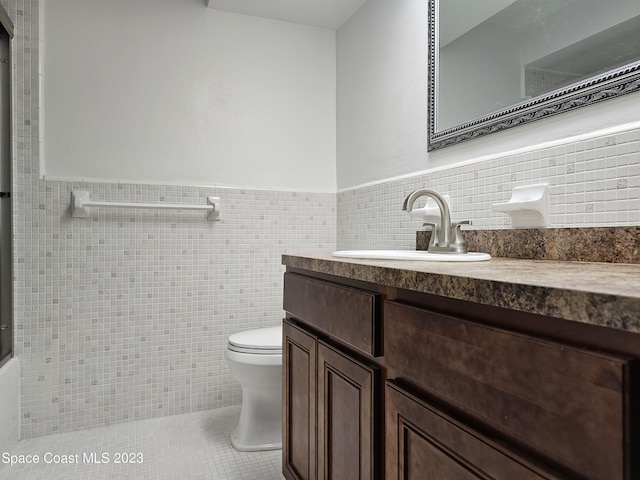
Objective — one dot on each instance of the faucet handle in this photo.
(455, 227)
(457, 234)
(463, 222)
(434, 233)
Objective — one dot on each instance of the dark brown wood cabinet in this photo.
(387, 383)
(350, 315)
(562, 402)
(330, 410)
(299, 362)
(425, 443)
(346, 415)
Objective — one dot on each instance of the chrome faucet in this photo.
(446, 237)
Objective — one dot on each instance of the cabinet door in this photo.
(299, 359)
(424, 443)
(346, 416)
(569, 405)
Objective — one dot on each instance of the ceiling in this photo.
(330, 14)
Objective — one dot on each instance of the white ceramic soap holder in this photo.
(528, 206)
(430, 213)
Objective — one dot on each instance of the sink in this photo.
(413, 255)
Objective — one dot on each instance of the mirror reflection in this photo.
(497, 56)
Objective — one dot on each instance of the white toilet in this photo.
(255, 360)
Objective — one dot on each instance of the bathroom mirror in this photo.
(496, 64)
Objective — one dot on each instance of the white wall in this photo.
(167, 91)
(382, 91)
(382, 98)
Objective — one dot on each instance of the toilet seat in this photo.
(261, 341)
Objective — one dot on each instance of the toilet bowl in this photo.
(255, 360)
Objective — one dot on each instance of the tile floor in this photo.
(190, 446)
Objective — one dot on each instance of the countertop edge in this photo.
(618, 311)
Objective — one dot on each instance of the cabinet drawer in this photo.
(566, 404)
(348, 314)
(425, 443)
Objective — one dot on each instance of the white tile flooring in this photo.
(181, 447)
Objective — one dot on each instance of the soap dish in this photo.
(528, 206)
(430, 213)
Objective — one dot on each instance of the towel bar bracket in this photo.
(214, 213)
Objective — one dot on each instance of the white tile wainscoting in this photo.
(125, 314)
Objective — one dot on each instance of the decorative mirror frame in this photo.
(614, 83)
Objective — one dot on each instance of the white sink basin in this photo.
(413, 255)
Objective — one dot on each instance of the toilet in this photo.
(255, 360)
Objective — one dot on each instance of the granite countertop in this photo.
(605, 294)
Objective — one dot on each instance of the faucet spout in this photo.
(445, 214)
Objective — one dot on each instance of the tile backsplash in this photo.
(592, 182)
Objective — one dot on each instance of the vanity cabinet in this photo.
(381, 382)
(330, 407)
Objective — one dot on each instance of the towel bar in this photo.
(80, 201)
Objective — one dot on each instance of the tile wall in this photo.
(125, 315)
(592, 182)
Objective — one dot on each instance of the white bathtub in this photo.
(9, 404)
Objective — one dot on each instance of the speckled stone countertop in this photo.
(604, 294)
